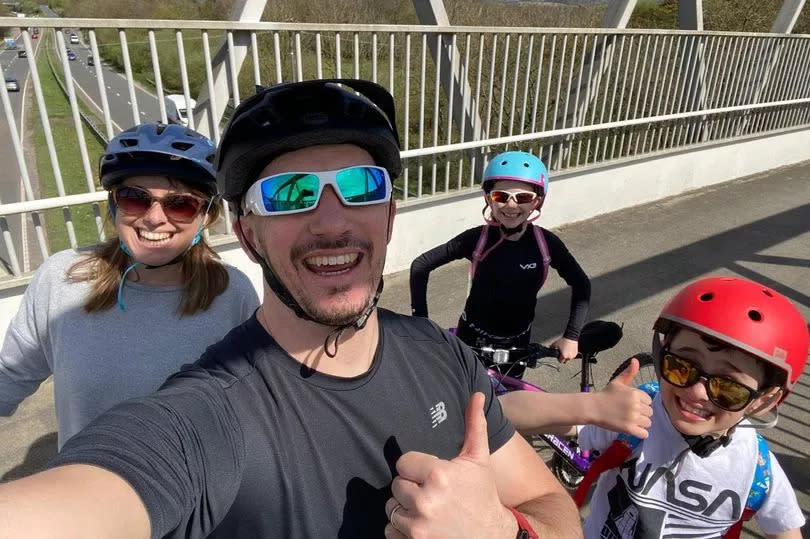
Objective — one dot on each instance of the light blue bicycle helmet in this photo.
(516, 166)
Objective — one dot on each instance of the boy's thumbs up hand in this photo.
(622, 407)
(449, 498)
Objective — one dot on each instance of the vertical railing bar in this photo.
(437, 85)
(338, 57)
(539, 78)
(789, 76)
(254, 51)
(613, 97)
(374, 57)
(105, 105)
(407, 124)
(557, 100)
(476, 132)
(450, 97)
(391, 56)
(356, 55)
(790, 82)
(632, 87)
(209, 77)
(588, 93)
(156, 71)
(638, 93)
(711, 53)
(567, 100)
(647, 89)
(422, 114)
(515, 84)
(488, 125)
(802, 84)
(503, 84)
(299, 63)
(181, 58)
(277, 57)
(526, 85)
(748, 81)
(465, 104)
(232, 69)
(122, 36)
(766, 76)
(318, 56)
(576, 98)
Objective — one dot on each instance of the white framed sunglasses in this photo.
(520, 197)
(296, 192)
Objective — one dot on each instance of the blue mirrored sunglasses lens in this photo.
(362, 184)
(289, 192)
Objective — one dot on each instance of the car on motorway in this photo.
(90, 60)
(71, 55)
(12, 85)
(74, 39)
(22, 54)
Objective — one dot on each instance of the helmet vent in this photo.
(182, 146)
(129, 142)
(755, 315)
(767, 293)
(504, 163)
(526, 165)
(706, 296)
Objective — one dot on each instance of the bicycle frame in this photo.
(580, 460)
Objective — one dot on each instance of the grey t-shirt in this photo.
(250, 443)
(100, 359)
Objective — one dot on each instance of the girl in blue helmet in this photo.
(115, 321)
(510, 259)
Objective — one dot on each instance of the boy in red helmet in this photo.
(726, 349)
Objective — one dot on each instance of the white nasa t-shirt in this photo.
(651, 497)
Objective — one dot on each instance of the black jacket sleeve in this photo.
(569, 269)
(462, 246)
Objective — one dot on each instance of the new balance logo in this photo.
(533, 265)
(438, 414)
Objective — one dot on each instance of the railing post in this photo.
(432, 12)
(690, 13)
(243, 10)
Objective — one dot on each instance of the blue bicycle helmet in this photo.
(161, 150)
(516, 166)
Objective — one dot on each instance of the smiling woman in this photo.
(155, 295)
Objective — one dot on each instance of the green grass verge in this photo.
(70, 163)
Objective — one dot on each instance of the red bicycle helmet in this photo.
(745, 315)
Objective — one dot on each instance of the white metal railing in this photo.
(576, 97)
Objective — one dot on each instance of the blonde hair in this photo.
(204, 276)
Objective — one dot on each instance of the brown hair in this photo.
(204, 276)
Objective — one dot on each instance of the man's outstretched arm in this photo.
(68, 499)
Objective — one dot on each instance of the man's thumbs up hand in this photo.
(449, 498)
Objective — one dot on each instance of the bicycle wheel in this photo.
(646, 370)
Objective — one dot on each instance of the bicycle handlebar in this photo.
(528, 355)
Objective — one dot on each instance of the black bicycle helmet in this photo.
(292, 116)
(162, 150)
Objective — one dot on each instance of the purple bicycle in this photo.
(568, 463)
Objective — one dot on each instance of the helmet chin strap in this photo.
(284, 295)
